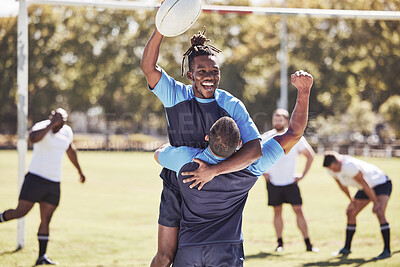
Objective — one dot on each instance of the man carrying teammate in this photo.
(282, 182)
(211, 225)
(374, 186)
(51, 140)
(191, 111)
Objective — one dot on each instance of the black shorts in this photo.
(170, 206)
(382, 189)
(37, 189)
(277, 195)
(221, 255)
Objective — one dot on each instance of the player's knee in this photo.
(278, 210)
(298, 210)
(351, 215)
(21, 212)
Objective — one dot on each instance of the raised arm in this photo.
(150, 57)
(303, 81)
(55, 121)
(73, 157)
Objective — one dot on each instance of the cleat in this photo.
(279, 249)
(342, 252)
(384, 255)
(44, 260)
(312, 249)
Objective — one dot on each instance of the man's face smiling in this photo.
(205, 76)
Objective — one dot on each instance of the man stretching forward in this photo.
(374, 186)
(211, 226)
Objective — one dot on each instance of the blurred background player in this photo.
(51, 139)
(191, 110)
(373, 185)
(282, 182)
(211, 226)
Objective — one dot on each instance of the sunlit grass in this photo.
(112, 219)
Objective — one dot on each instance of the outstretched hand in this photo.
(202, 175)
(302, 80)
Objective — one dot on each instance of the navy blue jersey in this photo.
(213, 215)
(190, 118)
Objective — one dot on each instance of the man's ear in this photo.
(207, 138)
(240, 143)
(189, 75)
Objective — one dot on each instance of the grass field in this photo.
(112, 219)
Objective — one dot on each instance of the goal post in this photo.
(22, 106)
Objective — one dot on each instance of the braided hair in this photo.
(198, 48)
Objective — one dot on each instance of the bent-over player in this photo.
(374, 186)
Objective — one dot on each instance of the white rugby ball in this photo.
(174, 17)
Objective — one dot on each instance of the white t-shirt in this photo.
(283, 172)
(48, 153)
(350, 168)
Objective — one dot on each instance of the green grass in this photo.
(112, 219)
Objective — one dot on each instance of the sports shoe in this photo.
(44, 260)
(385, 254)
(312, 249)
(279, 248)
(343, 252)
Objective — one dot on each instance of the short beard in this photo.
(280, 129)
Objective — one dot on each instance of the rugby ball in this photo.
(174, 17)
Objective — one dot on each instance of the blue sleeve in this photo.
(272, 153)
(237, 110)
(174, 158)
(171, 92)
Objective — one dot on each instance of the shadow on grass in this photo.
(343, 260)
(262, 255)
(11, 251)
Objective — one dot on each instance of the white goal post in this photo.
(22, 71)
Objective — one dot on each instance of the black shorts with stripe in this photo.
(37, 189)
(277, 195)
(381, 189)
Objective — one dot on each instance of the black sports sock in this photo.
(280, 242)
(308, 243)
(350, 230)
(43, 240)
(385, 230)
